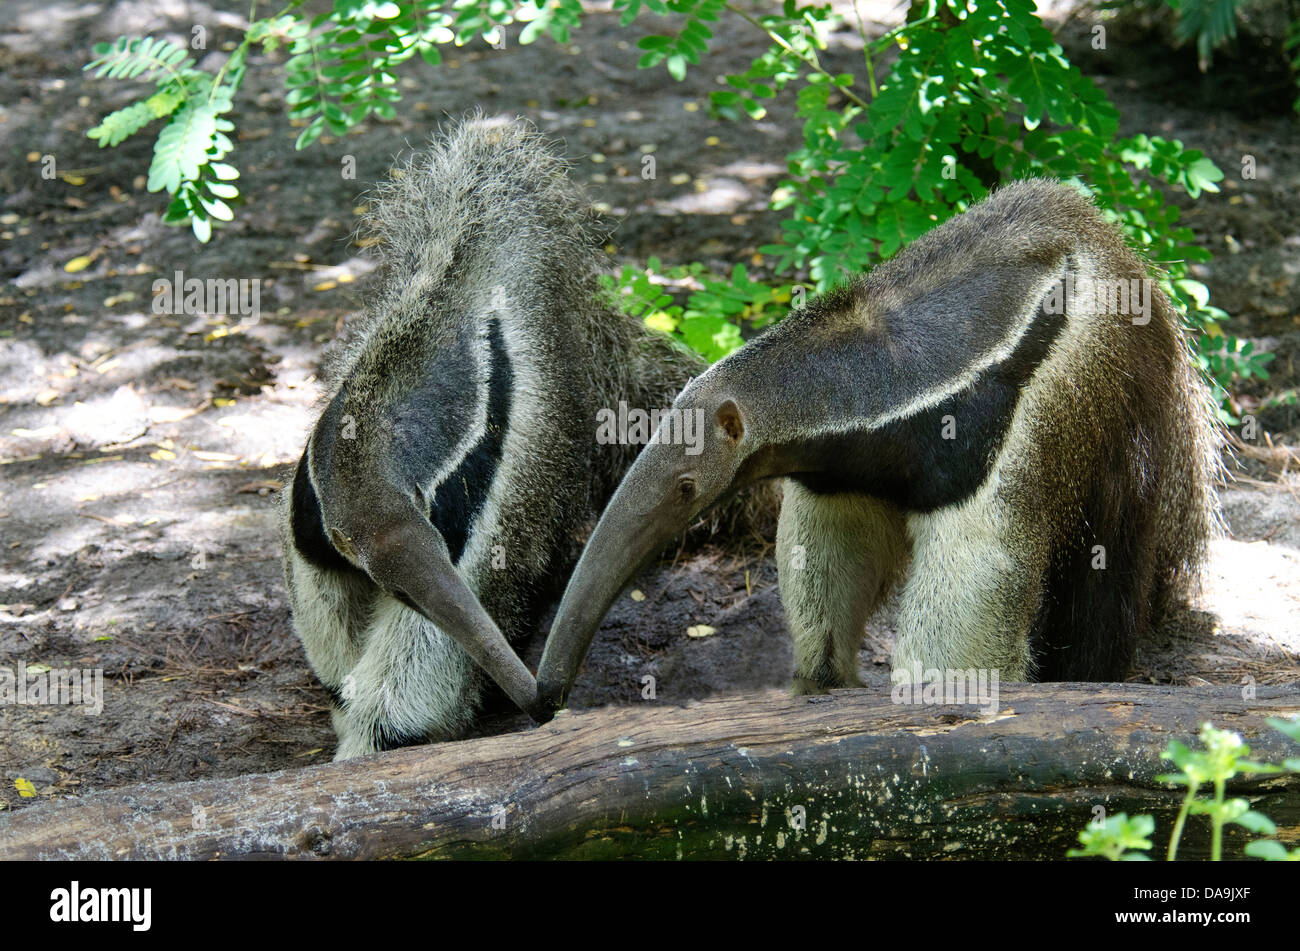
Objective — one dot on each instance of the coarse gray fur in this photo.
(1037, 474)
(490, 271)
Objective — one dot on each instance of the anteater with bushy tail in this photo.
(454, 465)
(1003, 420)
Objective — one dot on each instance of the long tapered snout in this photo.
(411, 561)
(666, 488)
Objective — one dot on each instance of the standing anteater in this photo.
(1044, 463)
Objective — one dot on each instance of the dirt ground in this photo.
(140, 454)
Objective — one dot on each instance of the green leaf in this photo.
(1271, 850)
(117, 126)
(310, 134)
(1114, 837)
(1201, 176)
(138, 58)
(1255, 822)
(1290, 727)
(182, 147)
(222, 190)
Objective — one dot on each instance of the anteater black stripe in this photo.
(308, 525)
(460, 497)
(456, 501)
(909, 463)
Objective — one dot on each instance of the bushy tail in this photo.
(486, 202)
(485, 183)
(1191, 471)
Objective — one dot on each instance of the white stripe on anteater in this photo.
(1038, 477)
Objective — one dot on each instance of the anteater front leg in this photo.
(836, 556)
(412, 684)
(972, 594)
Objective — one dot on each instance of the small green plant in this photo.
(1224, 756)
(1114, 837)
(1270, 849)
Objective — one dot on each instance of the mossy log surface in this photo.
(849, 775)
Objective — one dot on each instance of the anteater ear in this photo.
(731, 421)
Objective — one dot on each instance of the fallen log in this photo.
(849, 775)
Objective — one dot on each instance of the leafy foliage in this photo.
(343, 64)
(1224, 756)
(187, 153)
(139, 58)
(686, 45)
(710, 320)
(979, 93)
(1211, 23)
(1208, 24)
(117, 126)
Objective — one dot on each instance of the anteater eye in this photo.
(686, 488)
